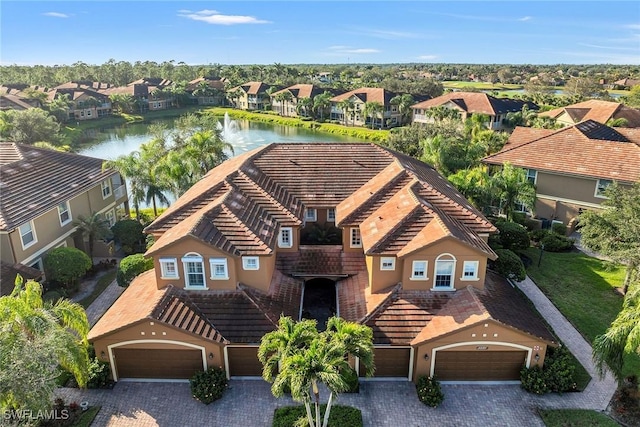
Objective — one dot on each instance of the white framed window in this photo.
(387, 263)
(470, 270)
(532, 176)
(519, 207)
(64, 213)
(168, 268)
(193, 271)
(219, 269)
(601, 186)
(106, 188)
(28, 235)
(110, 216)
(444, 269)
(250, 263)
(331, 215)
(356, 239)
(285, 237)
(419, 270)
(37, 264)
(310, 214)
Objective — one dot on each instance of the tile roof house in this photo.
(86, 103)
(298, 92)
(389, 116)
(251, 96)
(469, 103)
(571, 167)
(207, 90)
(43, 191)
(410, 249)
(594, 109)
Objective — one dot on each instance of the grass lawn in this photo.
(87, 417)
(102, 284)
(584, 290)
(457, 84)
(576, 418)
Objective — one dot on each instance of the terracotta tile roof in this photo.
(152, 81)
(215, 83)
(367, 94)
(301, 91)
(319, 261)
(477, 102)
(8, 273)
(498, 301)
(599, 111)
(135, 90)
(34, 180)
(627, 82)
(587, 149)
(143, 300)
(252, 88)
(18, 102)
(283, 298)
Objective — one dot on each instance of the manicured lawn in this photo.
(87, 417)
(457, 84)
(576, 418)
(102, 284)
(584, 290)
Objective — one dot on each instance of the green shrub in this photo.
(532, 224)
(350, 376)
(132, 266)
(208, 386)
(98, 373)
(537, 235)
(559, 228)
(513, 236)
(429, 391)
(557, 375)
(340, 416)
(555, 243)
(128, 232)
(509, 265)
(66, 265)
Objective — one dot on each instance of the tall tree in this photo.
(321, 103)
(346, 105)
(512, 186)
(33, 125)
(92, 227)
(36, 338)
(131, 167)
(298, 358)
(371, 110)
(404, 103)
(615, 231)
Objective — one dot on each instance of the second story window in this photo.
(387, 263)
(331, 215)
(250, 263)
(601, 187)
(532, 176)
(193, 271)
(64, 213)
(168, 268)
(27, 235)
(106, 188)
(219, 269)
(356, 239)
(285, 237)
(310, 215)
(419, 270)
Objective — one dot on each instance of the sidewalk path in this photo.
(599, 391)
(103, 302)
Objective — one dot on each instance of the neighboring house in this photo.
(86, 104)
(470, 103)
(572, 167)
(410, 261)
(297, 92)
(627, 83)
(594, 109)
(43, 191)
(149, 93)
(207, 90)
(250, 96)
(15, 96)
(388, 117)
(8, 273)
(14, 102)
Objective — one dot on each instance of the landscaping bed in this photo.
(576, 418)
(340, 416)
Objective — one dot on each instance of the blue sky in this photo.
(320, 32)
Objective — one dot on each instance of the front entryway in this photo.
(319, 301)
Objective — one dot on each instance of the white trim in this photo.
(435, 350)
(390, 260)
(32, 230)
(68, 211)
(411, 357)
(601, 196)
(535, 178)
(49, 246)
(307, 211)
(245, 260)
(391, 347)
(413, 270)
(452, 281)
(353, 230)
(281, 242)
(102, 188)
(39, 261)
(226, 361)
(124, 343)
(329, 219)
(474, 278)
(225, 355)
(174, 261)
(193, 257)
(573, 202)
(219, 261)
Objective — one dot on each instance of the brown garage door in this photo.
(243, 362)
(479, 365)
(390, 362)
(155, 363)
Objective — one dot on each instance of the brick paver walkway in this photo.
(249, 403)
(103, 302)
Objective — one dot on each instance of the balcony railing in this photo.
(120, 192)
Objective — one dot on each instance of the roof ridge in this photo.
(395, 291)
(268, 194)
(246, 291)
(528, 142)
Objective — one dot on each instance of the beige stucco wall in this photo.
(295, 232)
(488, 335)
(6, 254)
(460, 251)
(259, 279)
(381, 279)
(146, 330)
(346, 240)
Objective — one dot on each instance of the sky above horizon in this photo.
(320, 32)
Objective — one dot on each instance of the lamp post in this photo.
(541, 252)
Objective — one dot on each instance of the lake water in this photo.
(109, 143)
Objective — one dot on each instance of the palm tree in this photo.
(371, 110)
(92, 227)
(47, 332)
(130, 166)
(622, 337)
(208, 149)
(303, 106)
(321, 103)
(512, 186)
(404, 103)
(297, 357)
(287, 97)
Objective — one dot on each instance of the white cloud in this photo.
(351, 50)
(596, 46)
(633, 26)
(216, 18)
(56, 14)
(386, 34)
(525, 18)
(427, 57)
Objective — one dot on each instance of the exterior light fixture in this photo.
(211, 355)
(537, 357)
(102, 354)
(426, 356)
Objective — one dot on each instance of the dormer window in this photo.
(310, 215)
(356, 239)
(285, 237)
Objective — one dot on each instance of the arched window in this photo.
(444, 270)
(193, 271)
